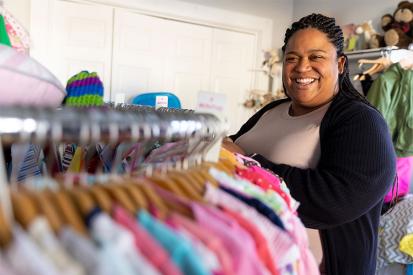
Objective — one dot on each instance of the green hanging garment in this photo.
(4, 37)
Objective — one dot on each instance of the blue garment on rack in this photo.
(180, 250)
(409, 269)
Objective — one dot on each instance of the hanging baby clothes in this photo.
(404, 176)
(19, 36)
(4, 37)
(391, 94)
(29, 165)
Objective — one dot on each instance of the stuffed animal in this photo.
(396, 37)
(350, 39)
(387, 21)
(364, 31)
(403, 17)
(377, 40)
(399, 27)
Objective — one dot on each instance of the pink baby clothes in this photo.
(404, 171)
(282, 247)
(260, 242)
(238, 242)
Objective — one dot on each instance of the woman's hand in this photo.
(228, 144)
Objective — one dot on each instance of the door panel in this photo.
(232, 72)
(173, 55)
(81, 39)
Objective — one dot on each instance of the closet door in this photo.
(232, 72)
(154, 54)
(188, 65)
(80, 39)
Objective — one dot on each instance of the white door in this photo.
(188, 67)
(80, 39)
(232, 72)
(138, 59)
(153, 54)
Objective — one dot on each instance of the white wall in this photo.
(21, 10)
(279, 11)
(282, 12)
(349, 11)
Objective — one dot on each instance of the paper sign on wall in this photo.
(215, 104)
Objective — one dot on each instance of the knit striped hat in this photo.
(84, 89)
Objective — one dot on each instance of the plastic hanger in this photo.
(102, 198)
(173, 204)
(137, 197)
(219, 165)
(70, 214)
(379, 65)
(153, 198)
(24, 209)
(6, 235)
(118, 195)
(197, 178)
(376, 68)
(163, 181)
(185, 184)
(84, 200)
(48, 209)
(202, 171)
(357, 76)
(194, 180)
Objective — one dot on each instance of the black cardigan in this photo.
(343, 195)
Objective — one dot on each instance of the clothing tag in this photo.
(161, 101)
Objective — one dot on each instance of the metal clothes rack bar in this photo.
(142, 108)
(370, 53)
(77, 124)
(393, 53)
(84, 125)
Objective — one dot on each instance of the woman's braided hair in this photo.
(334, 33)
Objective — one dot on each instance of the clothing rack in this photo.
(92, 125)
(393, 53)
(142, 108)
(371, 53)
(223, 198)
(99, 124)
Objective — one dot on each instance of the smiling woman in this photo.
(329, 144)
(311, 70)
